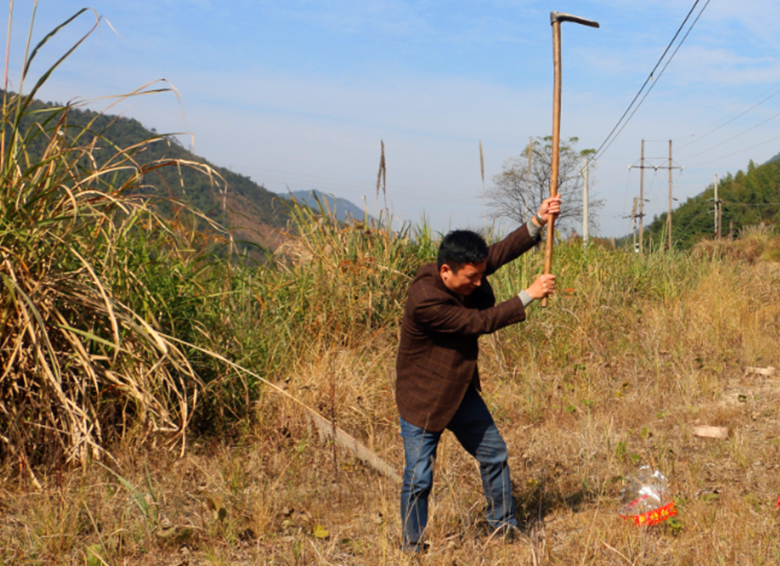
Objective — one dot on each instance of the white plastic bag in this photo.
(646, 499)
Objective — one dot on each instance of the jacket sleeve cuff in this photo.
(525, 297)
(533, 230)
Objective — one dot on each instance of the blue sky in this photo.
(298, 94)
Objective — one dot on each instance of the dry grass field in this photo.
(631, 355)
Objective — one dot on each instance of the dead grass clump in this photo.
(755, 243)
(749, 250)
(84, 358)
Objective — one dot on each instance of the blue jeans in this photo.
(475, 430)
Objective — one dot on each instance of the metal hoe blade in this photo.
(561, 17)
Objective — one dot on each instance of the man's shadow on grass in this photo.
(538, 498)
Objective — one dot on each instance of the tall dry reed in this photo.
(83, 355)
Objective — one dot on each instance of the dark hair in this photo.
(461, 247)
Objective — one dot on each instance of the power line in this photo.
(736, 136)
(659, 74)
(731, 120)
(650, 77)
(735, 153)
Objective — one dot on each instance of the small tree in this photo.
(517, 192)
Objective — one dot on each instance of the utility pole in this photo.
(633, 228)
(540, 245)
(528, 177)
(642, 201)
(530, 155)
(585, 217)
(482, 171)
(641, 214)
(717, 210)
(669, 217)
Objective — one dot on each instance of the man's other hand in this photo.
(550, 206)
(542, 287)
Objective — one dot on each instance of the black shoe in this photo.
(510, 535)
(418, 547)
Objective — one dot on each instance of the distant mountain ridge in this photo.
(252, 212)
(340, 207)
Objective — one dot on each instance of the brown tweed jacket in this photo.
(437, 354)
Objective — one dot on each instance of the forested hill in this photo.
(251, 210)
(748, 197)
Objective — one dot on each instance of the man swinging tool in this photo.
(449, 305)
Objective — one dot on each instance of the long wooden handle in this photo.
(556, 143)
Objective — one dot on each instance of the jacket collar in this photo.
(430, 271)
